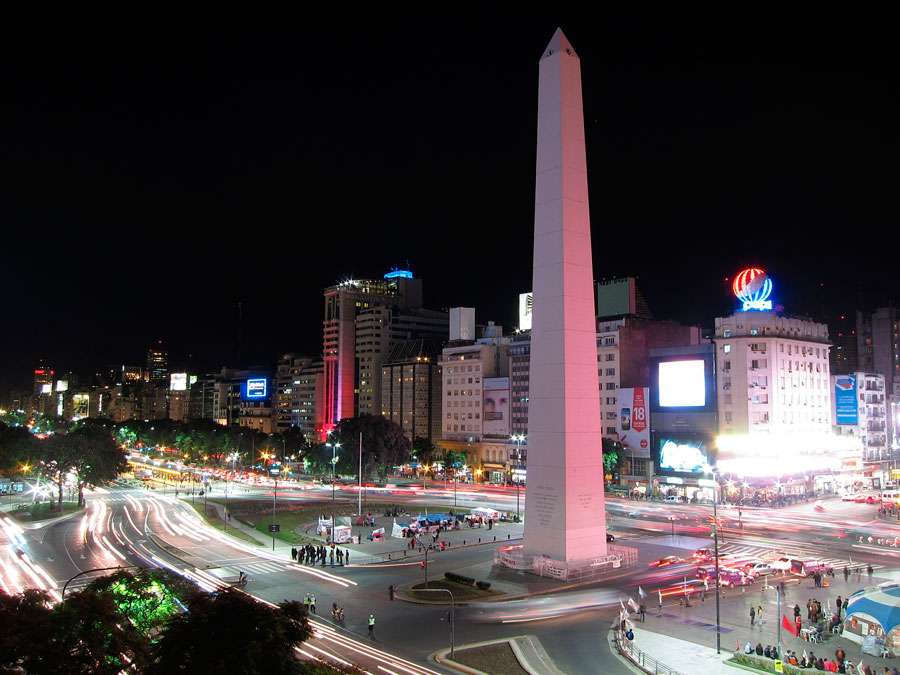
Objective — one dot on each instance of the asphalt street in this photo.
(144, 528)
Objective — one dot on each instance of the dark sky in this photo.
(151, 177)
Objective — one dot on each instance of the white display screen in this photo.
(682, 384)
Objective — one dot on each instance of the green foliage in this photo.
(232, 633)
(459, 578)
(16, 447)
(384, 444)
(148, 598)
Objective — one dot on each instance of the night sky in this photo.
(152, 178)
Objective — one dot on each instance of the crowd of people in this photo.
(311, 555)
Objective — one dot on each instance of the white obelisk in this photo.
(565, 518)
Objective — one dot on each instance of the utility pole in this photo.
(274, 497)
(359, 491)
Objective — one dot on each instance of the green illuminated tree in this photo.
(230, 632)
(148, 598)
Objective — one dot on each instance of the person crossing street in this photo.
(372, 625)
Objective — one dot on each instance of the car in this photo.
(728, 576)
(704, 554)
(673, 499)
(849, 497)
(872, 499)
(609, 537)
(665, 562)
(806, 568)
(759, 569)
(782, 564)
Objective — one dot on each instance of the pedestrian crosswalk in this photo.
(769, 553)
(258, 567)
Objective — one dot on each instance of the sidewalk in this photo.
(696, 624)
(682, 656)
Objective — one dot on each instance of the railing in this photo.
(641, 659)
(399, 555)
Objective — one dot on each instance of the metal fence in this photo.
(641, 659)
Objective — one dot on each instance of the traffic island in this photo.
(520, 655)
(461, 592)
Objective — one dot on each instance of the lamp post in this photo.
(274, 497)
(711, 471)
(232, 458)
(519, 439)
(452, 611)
(334, 447)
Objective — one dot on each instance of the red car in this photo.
(665, 562)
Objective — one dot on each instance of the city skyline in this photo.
(232, 167)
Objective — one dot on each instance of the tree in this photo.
(384, 444)
(425, 451)
(16, 445)
(229, 632)
(147, 598)
(94, 455)
(23, 617)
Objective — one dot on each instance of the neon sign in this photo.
(257, 388)
(753, 287)
(398, 274)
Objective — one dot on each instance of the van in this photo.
(673, 499)
(806, 568)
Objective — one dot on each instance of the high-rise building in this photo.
(287, 391)
(772, 375)
(860, 408)
(878, 346)
(157, 364)
(464, 370)
(201, 405)
(43, 379)
(411, 388)
(620, 298)
(843, 357)
(308, 392)
(352, 372)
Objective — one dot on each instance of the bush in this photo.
(483, 585)
(765, 665)
(459, 578)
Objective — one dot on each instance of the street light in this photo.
(519, 439)
(233, 457)
(334, 447)
(274, 497)
(707, 469)
(452, 610)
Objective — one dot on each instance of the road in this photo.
(137, 527)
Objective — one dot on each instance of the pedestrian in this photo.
(703, 590)
(798, 623)
(846, 573)
(796, 611)
(293, 554)
(752, 615)
(312, 602)
(331, 556)
(642, 610)
(347, 556)
(759, 615)
(659, 606)
(340, 554)
(372, 625)
(869, 571)
(809, 609)
(839, 602)
(391, 591)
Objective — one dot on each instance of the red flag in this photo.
(788, 625)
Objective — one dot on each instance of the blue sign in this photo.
(398, 274)
(845, 406)
(257, 388)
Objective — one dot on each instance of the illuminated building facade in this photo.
(878, 347)
(411, 388)
(157, 364)
(352, 371)
(773, 374)
(860, 407)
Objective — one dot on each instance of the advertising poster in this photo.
(526, 306)
(845, 405)
(178, 382)
(495, 410)
(634, 420)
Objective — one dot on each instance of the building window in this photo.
(610, 386)
(610, 371)
(726, 349)
(728, 418)
(610, 430)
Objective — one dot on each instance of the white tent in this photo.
(342, 534)
(397, 530)
(485, 512)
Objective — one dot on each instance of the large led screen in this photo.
(680, 453)
(682, 384)
(255, 389)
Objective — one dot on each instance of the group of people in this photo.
(310, 555)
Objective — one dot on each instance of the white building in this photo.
(464, 369)
(772, 375)
(860, 409)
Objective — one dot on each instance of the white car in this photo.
(760, 569)
(782, 564)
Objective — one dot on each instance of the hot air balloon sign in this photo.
(753, 287)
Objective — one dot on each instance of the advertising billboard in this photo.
(178, 381)
(634, 420)
(255, 389)
(845, 405)
(62, 385)
(47, 388)
(495, 409)
(526, 307)
(682, 453)
(682, 383)
(80, 406)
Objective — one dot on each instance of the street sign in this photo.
(274, 527)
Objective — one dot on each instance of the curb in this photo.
(546, 667)
(36, 525)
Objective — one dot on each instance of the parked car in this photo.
(782, 564)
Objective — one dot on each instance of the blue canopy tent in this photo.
(879, 605)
